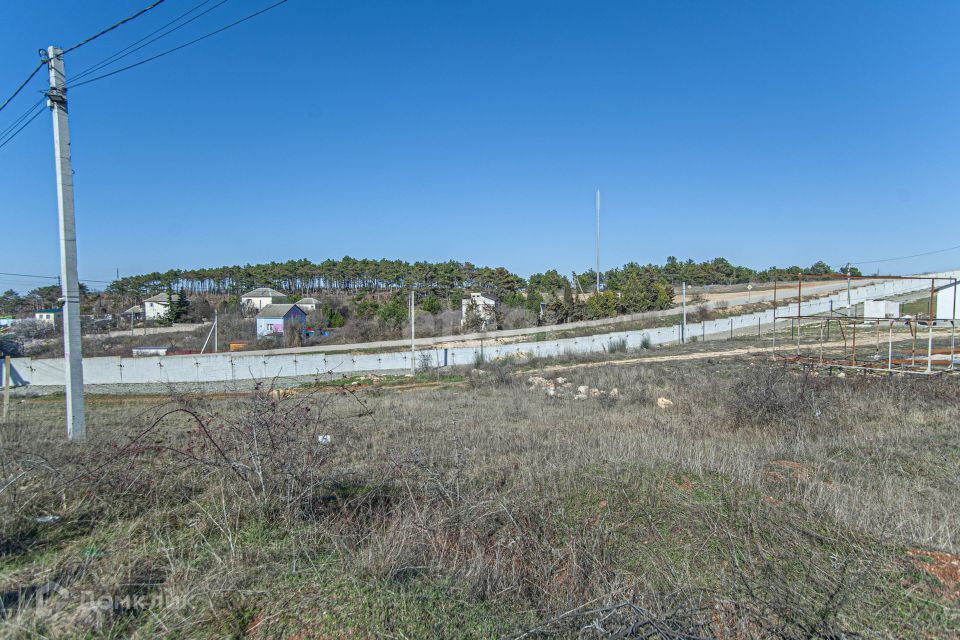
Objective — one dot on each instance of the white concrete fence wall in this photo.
(263, 365)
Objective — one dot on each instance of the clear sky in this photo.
(770, 133)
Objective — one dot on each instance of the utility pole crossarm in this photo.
(70, 283)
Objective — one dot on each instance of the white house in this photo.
(280, 318)
(261, 297)
(156, 307)
(309, 304)
(51, 317)
(483, 304)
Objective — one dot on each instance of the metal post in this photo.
(913, 342)
(890, 348)
(731, 328)
(828, 322)
(953, 325)
(930, 329)
(878, 336)
(6, 387)
(683, 325)
(73, 354)
(216, 330)
(848, 289)
(799, 327)
(774, 346)
(413, 334)
(799, 296)
(821, 340)
(853, 349)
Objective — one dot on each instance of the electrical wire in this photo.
(177, 48)
(16, 122)
(23, 84)
(29, 275)
(916, 255)
(22, 127)
(39, 277)
(75, 47)
(133, 48)
(110, 28)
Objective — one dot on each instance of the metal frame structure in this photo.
(848, 324)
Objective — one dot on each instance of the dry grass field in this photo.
(765, 502)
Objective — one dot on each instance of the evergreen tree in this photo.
(472, 322)
(634, 297)
(601, 305)
(431, 304)
(533, 301)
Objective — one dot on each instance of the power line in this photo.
(111, 28)
(22, 127)
(133, 48)
(177, 48)
(916, 255)
(74, 47)
(29, 275)
(16, 122)
(23, 84)
(36, 276)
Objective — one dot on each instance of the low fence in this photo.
(265, 365)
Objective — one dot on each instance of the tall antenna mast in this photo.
(598, 240)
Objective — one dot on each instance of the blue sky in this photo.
(770, 133)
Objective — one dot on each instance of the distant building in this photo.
(309, 304)
(279, 319)
(484, 305)
(134, 313)
(261, 297)
(51, 317)
(157, 306)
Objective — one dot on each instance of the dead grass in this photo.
(764, 503)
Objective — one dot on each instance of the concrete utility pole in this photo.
(73, 354)
(598, 240)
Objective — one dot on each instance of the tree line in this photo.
(351, 275)
(438, 284)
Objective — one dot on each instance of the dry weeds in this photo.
(764, 503)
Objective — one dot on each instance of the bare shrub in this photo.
(779, 398)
